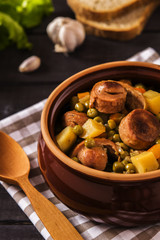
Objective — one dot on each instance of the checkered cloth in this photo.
(24, 127)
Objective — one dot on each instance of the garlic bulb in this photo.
(66, 34)
(30, 64)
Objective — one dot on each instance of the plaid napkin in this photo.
(24, 127)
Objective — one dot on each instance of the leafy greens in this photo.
(11, 31)
(16, 15)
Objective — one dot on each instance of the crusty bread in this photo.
(124, 27)
(99, 10)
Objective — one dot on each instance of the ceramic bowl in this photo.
(118, 199)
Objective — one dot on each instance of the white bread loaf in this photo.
(124, 27)
(99, 10)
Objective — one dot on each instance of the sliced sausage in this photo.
(134, 98)
(139, 129)
(108, 97)
(96, 157)
(72, 118)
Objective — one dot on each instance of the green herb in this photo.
(32, 11)
(12, 32)
(16, 15)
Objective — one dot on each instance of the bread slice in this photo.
(100, 10)
(122, 28)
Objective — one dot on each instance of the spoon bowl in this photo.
(14, 169)
(13, 162)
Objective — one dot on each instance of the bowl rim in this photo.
(62, 156)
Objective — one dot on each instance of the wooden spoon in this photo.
(14, 169)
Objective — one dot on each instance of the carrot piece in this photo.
(141, 90)
(83, 94)
(155, 149)
(117, 117)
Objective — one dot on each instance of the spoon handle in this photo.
(55, 222)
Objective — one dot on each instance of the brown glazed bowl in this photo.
(119, 199)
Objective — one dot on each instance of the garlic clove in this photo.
(30, 64)
(80, 32)
(66, 34)
(68, 38)
(54, 27)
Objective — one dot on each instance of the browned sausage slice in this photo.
(96, 157)
(134, 98)
(108, 97)
(139, 129)
(73, 118)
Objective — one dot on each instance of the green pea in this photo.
(78, 130)
(128, 159)
(133, 152)
(124, 154)
(98, 119)
(89, 142)
(125, 162)
(92, 113)
(74, 100)
(116, 138)
(112, 123)
(158, 141)
(140, 85)
(129, 172)
(124, 146)
(75, 159)
(130, 168)
(118, 167)
(120, 150)
(111, 133)
(79, 107)
(86, 104)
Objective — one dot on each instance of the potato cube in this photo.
(145, 162)
(153, 101)
(92, 128)
(83, 97)
(66, 138)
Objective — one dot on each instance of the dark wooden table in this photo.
(18, 91)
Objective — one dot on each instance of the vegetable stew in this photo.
(113, 127)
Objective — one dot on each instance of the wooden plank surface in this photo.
(58, 67)
(18, 91)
